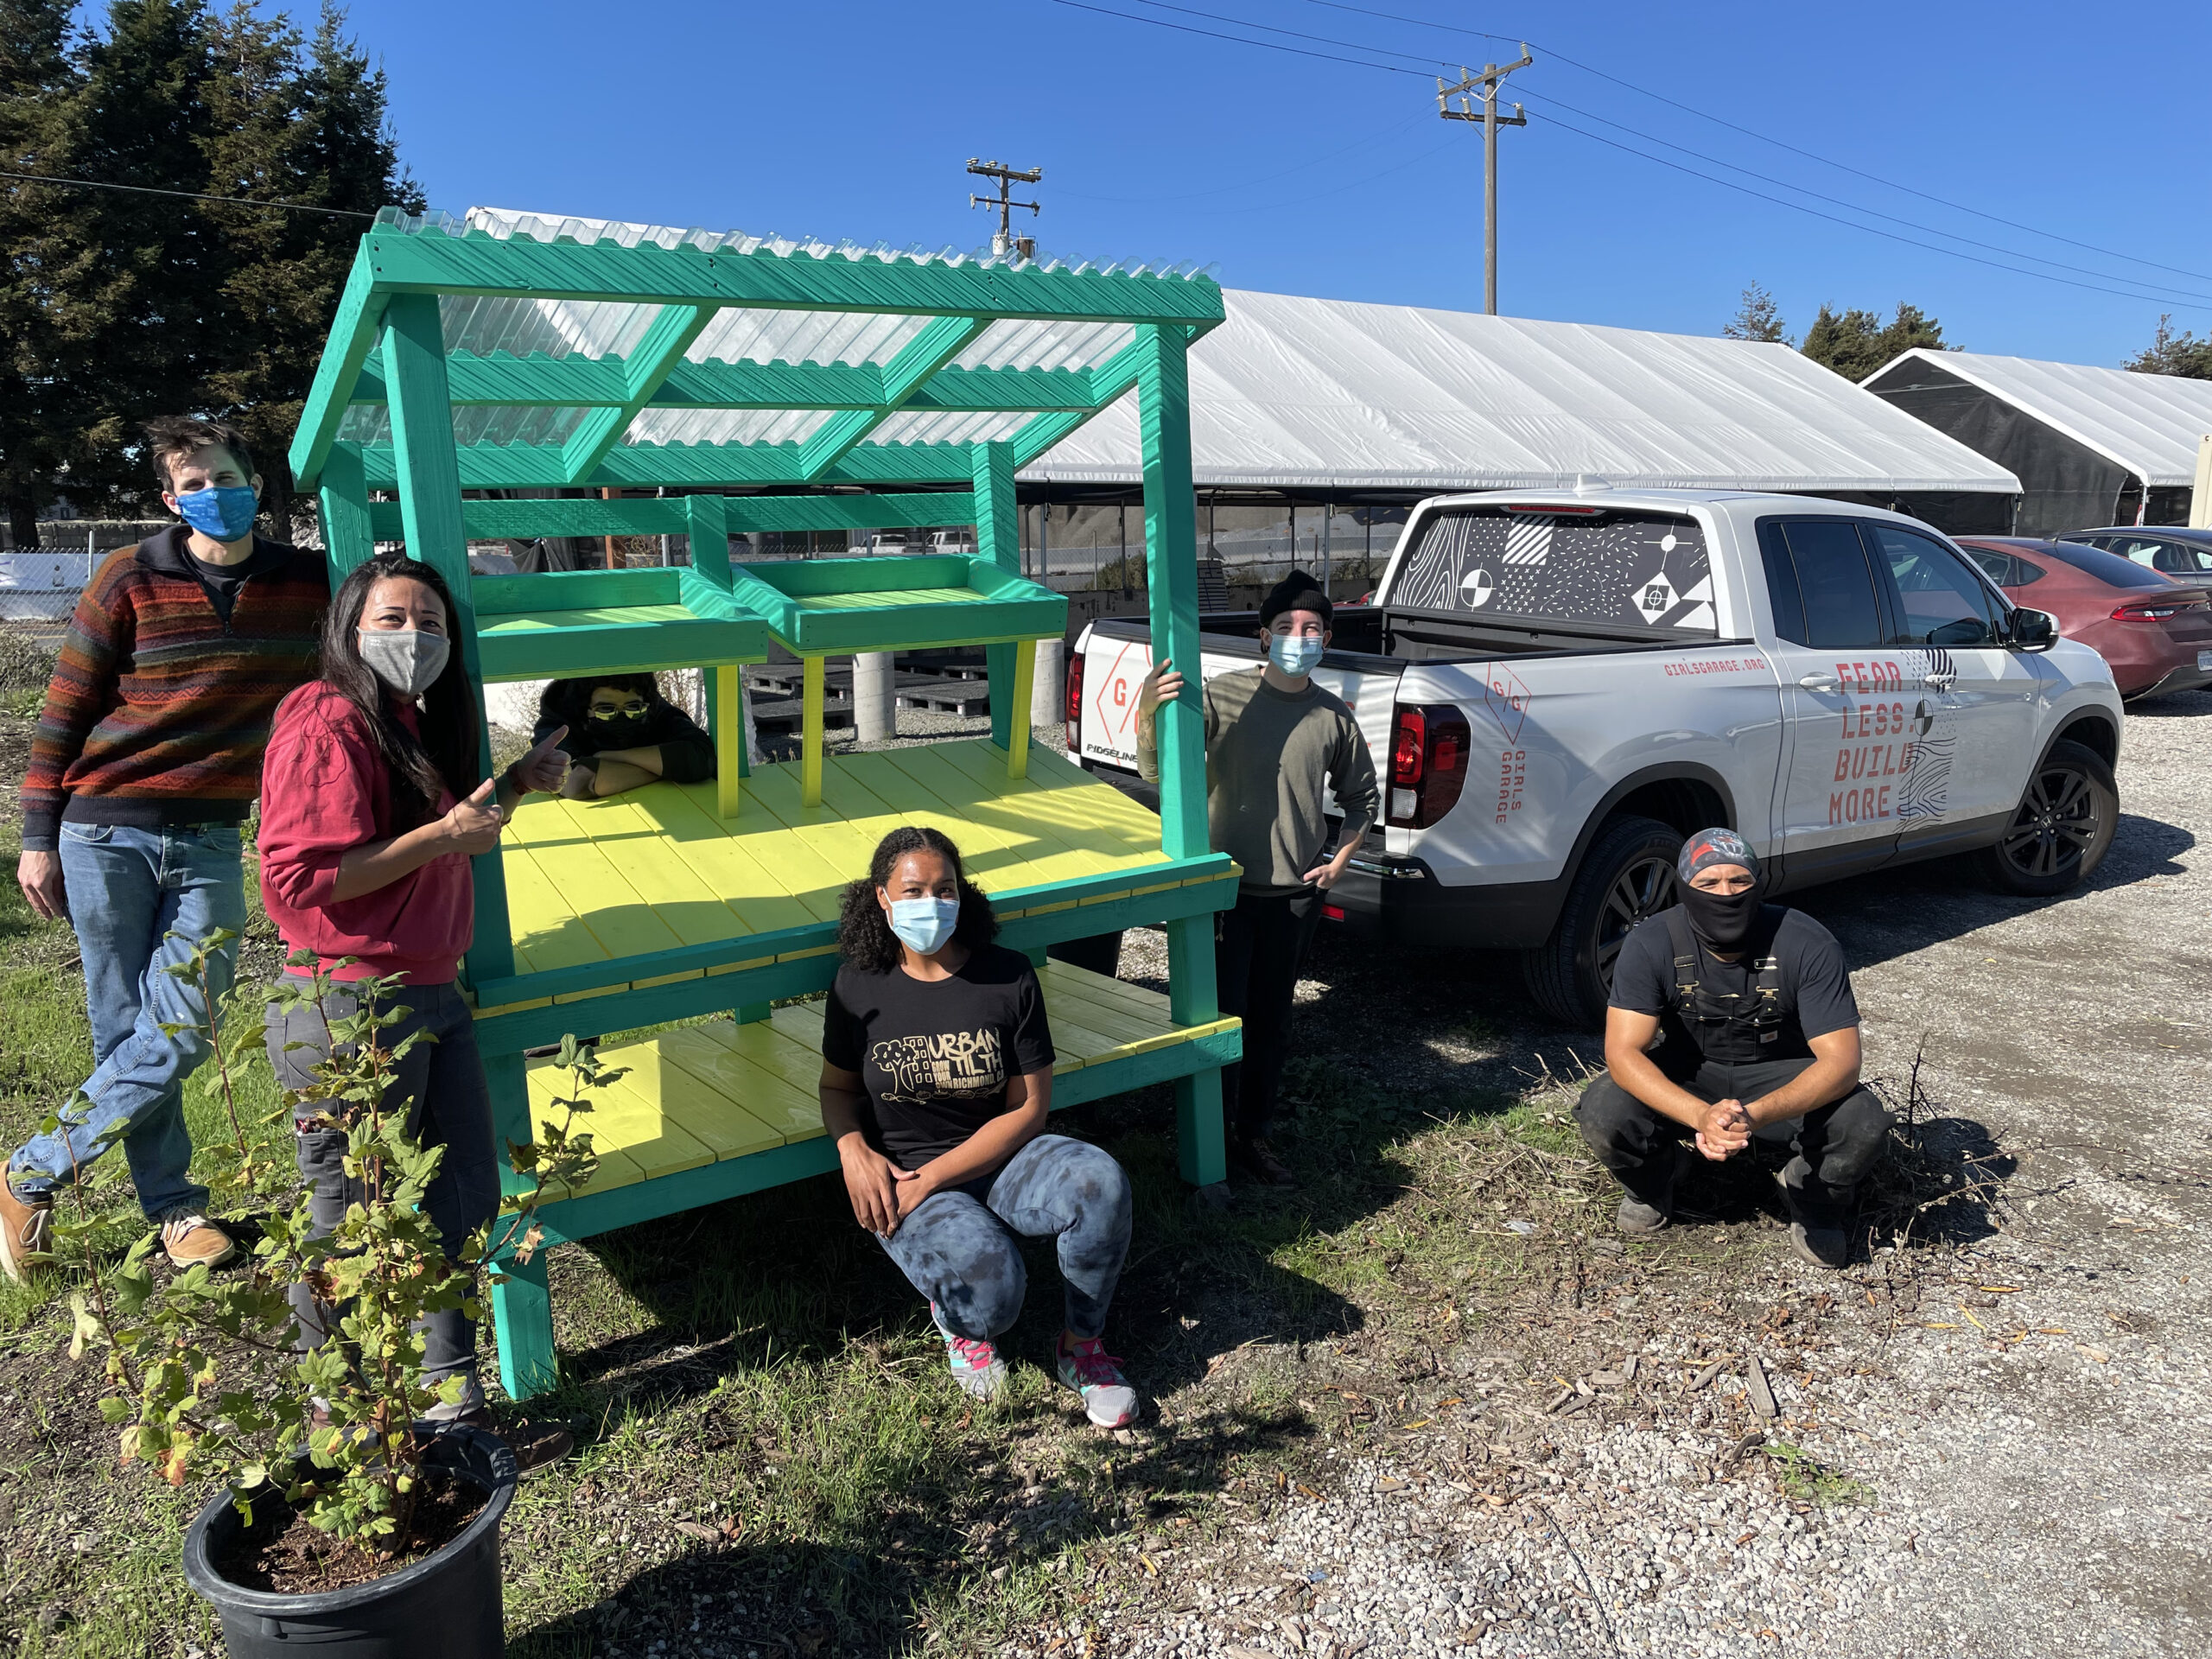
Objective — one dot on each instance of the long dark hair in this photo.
(568, 702)
(445, 756)
(864, 935)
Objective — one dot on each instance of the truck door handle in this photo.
(1817, 682)
(1944, 680)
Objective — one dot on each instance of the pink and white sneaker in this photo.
(975, 1363)
(1095, 1374)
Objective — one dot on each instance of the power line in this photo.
(1726, 184)
(1856, 207)
(1368, 142)
(1492, 77)
(1779, 143)
(186, 195)
(1871, 230)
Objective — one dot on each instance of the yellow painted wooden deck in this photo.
(704, 1093)
(601, 881)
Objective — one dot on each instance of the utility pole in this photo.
(1492, 77)
(1005, 242)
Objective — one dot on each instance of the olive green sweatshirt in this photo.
(1268, 754)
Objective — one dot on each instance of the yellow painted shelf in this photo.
(654, 869)
(705, 1093)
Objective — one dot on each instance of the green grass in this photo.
(762, 1365)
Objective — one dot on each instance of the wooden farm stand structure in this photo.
(835, 376)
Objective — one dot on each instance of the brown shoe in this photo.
(190, 1240)
(1256, 1159)
(26, 1232)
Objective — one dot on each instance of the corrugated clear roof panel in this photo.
(365, 424)
(479, 423)
(1015, 343)
(552, 327)
(725, 425)
(754, 335)
(935, 426)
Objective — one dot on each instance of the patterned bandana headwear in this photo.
(1710, 847)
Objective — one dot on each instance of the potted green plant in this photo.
(345, 1520)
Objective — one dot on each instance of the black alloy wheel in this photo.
(2064, 824)
(1626, 874)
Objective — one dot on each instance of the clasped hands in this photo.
(882, 1194)
(1723, 1130)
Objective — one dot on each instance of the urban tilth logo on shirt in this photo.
(949, 1063)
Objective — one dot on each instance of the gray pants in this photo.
(441, 1085)
(957, 1251)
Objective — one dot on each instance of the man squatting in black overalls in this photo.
(1757, 1038)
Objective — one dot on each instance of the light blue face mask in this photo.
(224, 511)
(1295, 655)
(924, 923)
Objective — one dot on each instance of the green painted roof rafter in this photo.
(498, 378)
(954, 303)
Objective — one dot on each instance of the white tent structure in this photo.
(2091, 446)
(1328, 396)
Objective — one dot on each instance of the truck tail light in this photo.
(1075, 705)
(1429, 763)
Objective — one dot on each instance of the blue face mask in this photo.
(224, 511)
(1295, 657)
(924, 923)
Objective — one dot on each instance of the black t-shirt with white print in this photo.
(935, 1056)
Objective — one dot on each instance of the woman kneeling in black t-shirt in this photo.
(936, 1073)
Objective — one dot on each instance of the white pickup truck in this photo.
(1559, 688)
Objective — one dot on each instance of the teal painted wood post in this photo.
(522, 1303)
(430, 508)
(342, 499)
(998, 540)
(1170, 531)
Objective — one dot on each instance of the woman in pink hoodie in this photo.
(373, 804)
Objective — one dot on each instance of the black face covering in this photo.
(1723, 921)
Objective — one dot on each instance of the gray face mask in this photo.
(406, 659)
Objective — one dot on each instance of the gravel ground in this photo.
(1993, 1442)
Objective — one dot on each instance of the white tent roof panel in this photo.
(1295, 393)
(2151, 424)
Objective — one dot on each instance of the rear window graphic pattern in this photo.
(1623, 571)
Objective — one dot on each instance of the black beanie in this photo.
(1297, 592)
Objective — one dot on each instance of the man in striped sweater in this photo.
(146, 760)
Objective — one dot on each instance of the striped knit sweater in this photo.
(159, 707)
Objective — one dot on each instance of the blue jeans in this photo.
(130, 890)
(956, 1250)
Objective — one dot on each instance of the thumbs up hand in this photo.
(543, 767)
(473, 825)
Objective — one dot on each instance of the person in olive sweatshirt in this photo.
(1276, 741)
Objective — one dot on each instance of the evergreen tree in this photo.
(117, 307)
(41, 412)
(1856, 343)
(1757, 317)
(2171, 353)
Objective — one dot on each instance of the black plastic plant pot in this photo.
(444, 1606)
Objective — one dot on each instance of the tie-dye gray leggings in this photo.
(957, 1250)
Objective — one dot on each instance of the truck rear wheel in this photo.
(2063, 826)
(1627, 875)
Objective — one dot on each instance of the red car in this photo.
(2155, 632)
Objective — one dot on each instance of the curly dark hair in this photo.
(864, 935)
(568, 701)
(445, 755)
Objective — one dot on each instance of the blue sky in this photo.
(855, 117)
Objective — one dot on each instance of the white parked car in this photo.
(1559, 687)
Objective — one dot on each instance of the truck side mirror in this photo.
(2033, 630)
